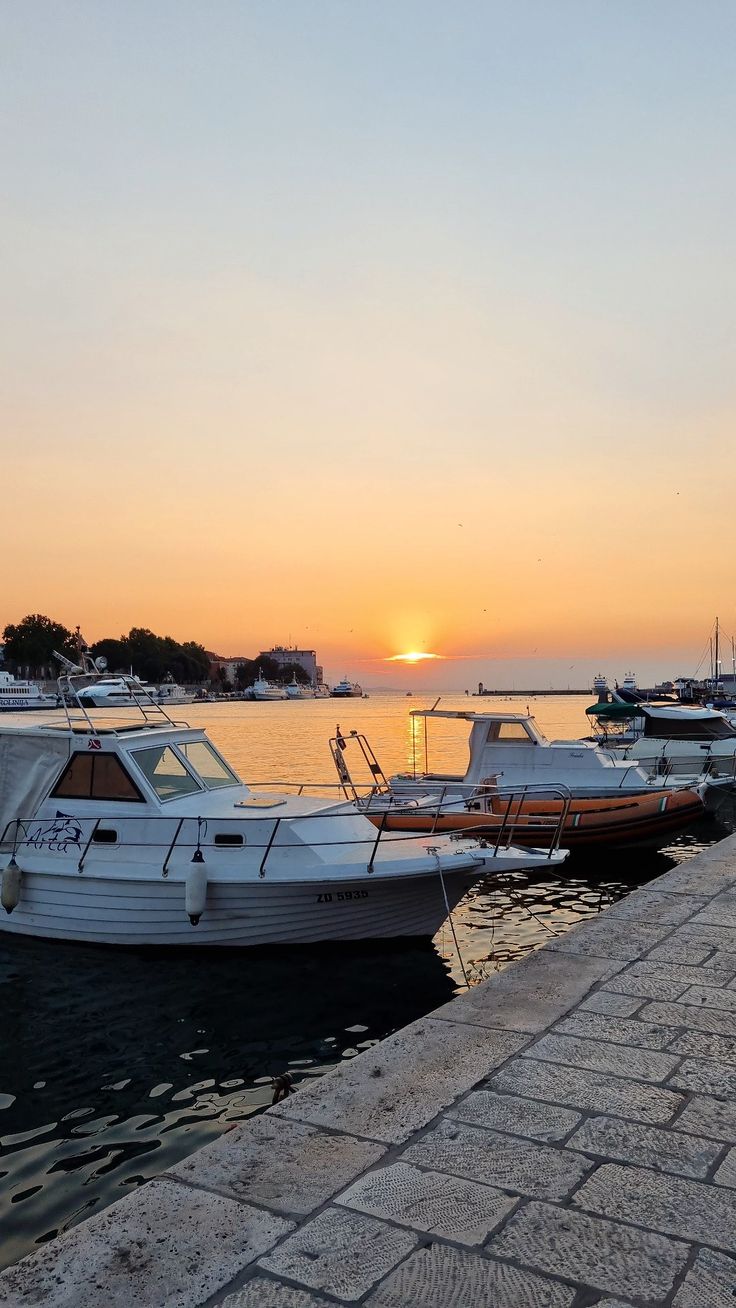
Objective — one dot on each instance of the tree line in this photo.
(30, 645)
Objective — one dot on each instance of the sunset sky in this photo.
(373, 327)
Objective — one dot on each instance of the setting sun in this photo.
(413, 656)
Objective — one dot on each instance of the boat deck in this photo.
(560, 1136)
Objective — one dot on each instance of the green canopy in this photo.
(615, 712)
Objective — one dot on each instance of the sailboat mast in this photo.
(716, 657)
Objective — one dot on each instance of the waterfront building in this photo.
(304, 658)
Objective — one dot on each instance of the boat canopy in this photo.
(686, 724)
(29, 763)
(614, 712)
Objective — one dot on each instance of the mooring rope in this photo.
(452, 924)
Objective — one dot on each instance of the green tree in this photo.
(289, 670)
(245, 674)
(30, 645)
(154, 657)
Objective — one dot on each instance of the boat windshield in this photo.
(209, 767)
(165, 772)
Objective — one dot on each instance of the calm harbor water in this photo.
(116, 1063)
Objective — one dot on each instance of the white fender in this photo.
(195, 896)
(10, 893)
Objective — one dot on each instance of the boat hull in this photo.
(624, 821)
(137, 912)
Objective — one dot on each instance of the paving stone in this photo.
(341, 1252)
(709, 873)
(443, 1277)
(713, 1020)
(617, 1030)
(598, 1253)
(704, 1115)
(710, 937)
(706, 1076)
(647, 1146)
(147, 1250)
(496, 1159)
(603, 1001)
(722, 958)
(430, 1201)
(720, 911)
(262, 1292)
(526, 1117)
(710, 1283)
(287, 1166)
(588, 1090)
(700, 1044)
(710, 997)
(688, 952)
(604, 938)
(390, 1091)
(598, 1056)
(530, 995)
(650, 906)
(726, 1174)
(696, 1212)
(662, 980)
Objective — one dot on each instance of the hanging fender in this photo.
(10, 892)
(195, 894)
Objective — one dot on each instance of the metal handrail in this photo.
(269, 846)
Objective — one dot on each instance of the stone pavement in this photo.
(561, 1136)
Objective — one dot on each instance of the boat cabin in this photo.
(509, 749)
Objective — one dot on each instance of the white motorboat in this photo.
(170, 693)
(295, 690)
(671, 739)
(509, 749)
(142, 834)
(347, 690)
(526, 814)
(115, 691)
(267, 690)
(16, 695)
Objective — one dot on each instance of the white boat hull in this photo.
(113, 911)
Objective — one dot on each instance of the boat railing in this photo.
(201, 838)
(110, 718)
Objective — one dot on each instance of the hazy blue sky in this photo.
(380, 325)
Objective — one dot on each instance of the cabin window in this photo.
(96, 776)
(209, 767)
(165, 772)
(228, 838)
(513, 732)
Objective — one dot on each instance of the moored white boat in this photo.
(509, 750)
(671, 741)
(530, 813)
(17, 695)
(296, 690)
(142, 834)
(347, 690)
(266, 690)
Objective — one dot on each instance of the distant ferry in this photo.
(15, 695)
(347, 690)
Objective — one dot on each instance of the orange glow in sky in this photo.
(444, 366)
